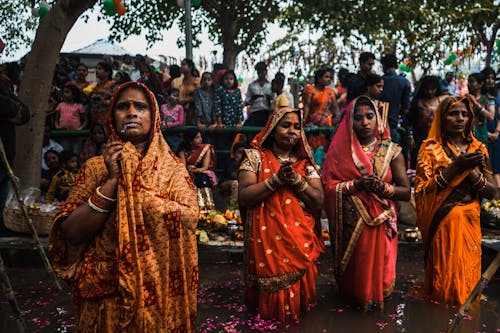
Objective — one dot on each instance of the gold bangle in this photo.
(98, 192)
(269, 186)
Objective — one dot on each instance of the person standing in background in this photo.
(356, 82)
(258, 98)
(397, 91)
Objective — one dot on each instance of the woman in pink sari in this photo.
(363, 174)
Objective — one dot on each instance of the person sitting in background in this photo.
(51, 158)
(94, 144)
(49, 144)
(199, 159)
(229, 181)
(64, 179)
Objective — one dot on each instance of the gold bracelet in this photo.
(98, 192)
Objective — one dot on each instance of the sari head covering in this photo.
(346, 160)
(262, 139)
(282, 242)
(142, 264)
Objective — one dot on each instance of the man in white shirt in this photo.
(48, 144)
(258, 98)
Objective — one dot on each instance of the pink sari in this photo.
(362, 225)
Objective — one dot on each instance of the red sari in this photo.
(281, 245)
(362, 225)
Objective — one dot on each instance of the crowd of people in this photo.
(124, 239)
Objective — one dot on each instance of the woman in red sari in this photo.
(281, 194)
(199, 159)
(363, 174)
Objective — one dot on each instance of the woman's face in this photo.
(490, 80)
(185, 67)
(52, 160)
(326, 79)
(132, 114)
(375, 90)
(364, 122)
(197, 140)
(456, 119)
(101, 73)
(174, 97)
(81, 72)
(207, 81)
(287, 132)
(430, 91)
(474, 84)
(228, 81)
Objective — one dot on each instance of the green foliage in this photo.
(17, 25)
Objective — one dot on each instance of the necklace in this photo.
(369, 146)
(459, 149)
(283, 159)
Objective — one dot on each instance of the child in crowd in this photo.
(51, 158)
(228, 108)
(172, 114)
(204, 102)
(94, 144)
(70, 113)
(281, 100)
(229, 182)
(64, 179)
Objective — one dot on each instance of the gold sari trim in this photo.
(274, 283)
(373, 222)
(352, 243)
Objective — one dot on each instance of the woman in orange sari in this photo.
(125, 238)
(320, 105)
(363, 173)
(453, 174)
(281, 195)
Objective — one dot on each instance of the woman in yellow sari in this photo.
(125, 238)
(453, 174)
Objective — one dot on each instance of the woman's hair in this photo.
(51, 151)
(77, 95)
(319, 74)
(189, 135)
(206, 74)
(372, 79)
(124, 77)
(479, 77)
(174, 71)
(107, 67)
(489, 90)
(82, 65)
(235, 81)
(425, 83)
(191, 66)
(172, 91)
(66, 155)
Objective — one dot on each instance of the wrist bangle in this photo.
(95, 208)
(269, 186)
(99, 193)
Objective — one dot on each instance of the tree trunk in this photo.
(230, 55)
(36, 83)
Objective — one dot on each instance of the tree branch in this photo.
(255, 27)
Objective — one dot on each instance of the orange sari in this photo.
(140, 272)
(281, 244)
(319, 112)
(363, 226)
(450, 228)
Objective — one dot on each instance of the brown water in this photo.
(221, 308)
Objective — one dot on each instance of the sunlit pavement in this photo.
(221, 307)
